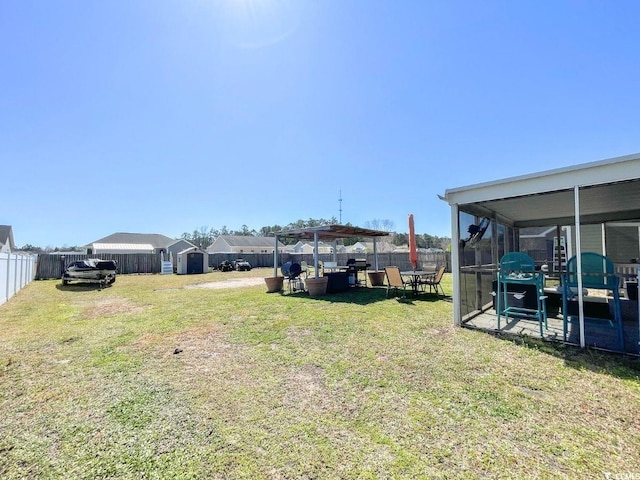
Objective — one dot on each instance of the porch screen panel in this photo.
(476, 273)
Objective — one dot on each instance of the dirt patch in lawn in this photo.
(233, 283)
(105, 307)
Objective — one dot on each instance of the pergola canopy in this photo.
(330, 232)
(327, 232)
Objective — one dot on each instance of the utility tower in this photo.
(340, 203)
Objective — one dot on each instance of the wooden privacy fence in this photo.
(52, 266)
(16, 270)
(400, 260)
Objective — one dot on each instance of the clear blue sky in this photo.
(158, 116)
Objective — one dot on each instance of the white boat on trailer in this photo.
(91, 270)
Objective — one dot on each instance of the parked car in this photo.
(225, 266)
(241, 264)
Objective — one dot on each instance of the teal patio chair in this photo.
(598, 272)
(520, 269)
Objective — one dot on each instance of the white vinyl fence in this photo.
(16, 270)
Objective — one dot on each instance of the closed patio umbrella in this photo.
(413, 250)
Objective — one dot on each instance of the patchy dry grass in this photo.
(149, 379)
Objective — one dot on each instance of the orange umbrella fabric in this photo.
(413, 250)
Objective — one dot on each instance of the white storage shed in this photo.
(192, 260)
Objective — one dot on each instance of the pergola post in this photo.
(275, 258)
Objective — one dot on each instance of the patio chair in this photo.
(598, 273)
(433, 282)
(305, 269)
(519, 269)
(429, 267)
(395, 281)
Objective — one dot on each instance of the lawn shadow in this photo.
(615, 364)
(80, 287)
(369, 295)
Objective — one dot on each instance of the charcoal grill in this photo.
(291, 271)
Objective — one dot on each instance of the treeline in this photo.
(205, 236)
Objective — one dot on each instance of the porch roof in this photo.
(609, 191)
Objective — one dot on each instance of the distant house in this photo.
(178, 246)
(307, 248)
(130, 243)
(6, 239)
(359, 247)
(244, 244)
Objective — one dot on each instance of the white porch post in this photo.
(455, 265)
(576, 196)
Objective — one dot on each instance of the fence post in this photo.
(15, 275)
(8, 274)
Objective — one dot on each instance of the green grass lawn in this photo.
(287, 386)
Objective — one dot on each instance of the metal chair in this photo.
(598, 272)
(433, 282)
(519, 268)
(395, 281)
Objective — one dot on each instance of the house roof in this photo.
(143, 247)
(6, 236)
(154, 239)
(609, 190)
(247, 241)
(331, 232)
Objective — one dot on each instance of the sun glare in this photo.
(259, 23)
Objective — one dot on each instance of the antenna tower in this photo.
(340, 202)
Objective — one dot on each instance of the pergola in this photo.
(327, 232)
(591, 193)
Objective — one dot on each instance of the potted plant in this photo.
(274, 284)
(376, 277)
(316, 285)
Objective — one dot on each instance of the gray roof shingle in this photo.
(155, 239)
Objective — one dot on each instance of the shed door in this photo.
(194, 263)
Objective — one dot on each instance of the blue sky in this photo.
(158, 116)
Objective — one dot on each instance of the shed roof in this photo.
(193, 249)
(609, 191)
